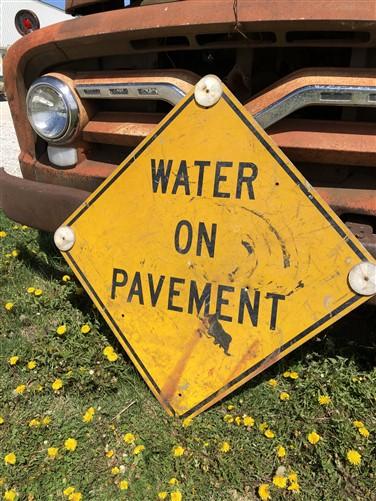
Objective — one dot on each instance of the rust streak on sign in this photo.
(172, 383)
(210, 256)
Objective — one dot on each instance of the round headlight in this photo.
(52, 109)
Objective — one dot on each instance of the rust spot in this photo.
(170, 388)
(249, 354)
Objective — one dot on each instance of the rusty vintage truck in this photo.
(83, 93)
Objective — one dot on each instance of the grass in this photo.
(338, 364)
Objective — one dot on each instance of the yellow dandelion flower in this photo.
(280, 482)
(263, 426)
(294, 487)
(248, 421)
(30, 290)
(286, 374)
(292, 476)
(31, 365)
(57, 384)
(24, 227)
(129, 438)
(46, 420)
(115, 470)
(227, 418)
(34, 423)
(284, 396)
(107, 350)
(238, 420)
(75, 496)
(123, 485)
(354, 457)
(52, 452)
(1, 420)
(13, 360)
(178, 451)
(263, 492)
(109, 453)
(162, 495)
(38, 292)
(363, 431)
(112, 357)
(10, 458)
(62, 329)
(269, 433)
(187, 422)
(281, 451)
(294, 375)
(173, 481)
(85, 329)
(324, 400)
(10, 495)
(89, 415)
(20, 389)
(273, 383)
(15, 253)
(3, 234)
(70, 444)
(69, 490)
(39, 387)
(313, 437)
(224, 447)
(66, 278)
(110, 354)
(9, 306)
(358, 424)
(138, 449)
(176, 496)
(230, 407)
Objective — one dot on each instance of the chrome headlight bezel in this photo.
(66, 94)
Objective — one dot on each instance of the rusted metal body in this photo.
(176, 43)
(44, 206)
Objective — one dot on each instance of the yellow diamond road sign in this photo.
(210, 256)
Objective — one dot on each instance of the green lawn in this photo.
(338, 364)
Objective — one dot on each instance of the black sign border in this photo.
(296, 180)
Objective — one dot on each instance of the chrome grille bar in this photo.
(156, 91)
(319, 95)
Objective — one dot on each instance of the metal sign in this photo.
(209, 255)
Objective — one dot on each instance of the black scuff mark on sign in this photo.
(232, 273)
(214, 329)
(247, 246)
(299, 285)
(285, 253)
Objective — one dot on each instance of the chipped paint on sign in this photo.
(210, 256)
